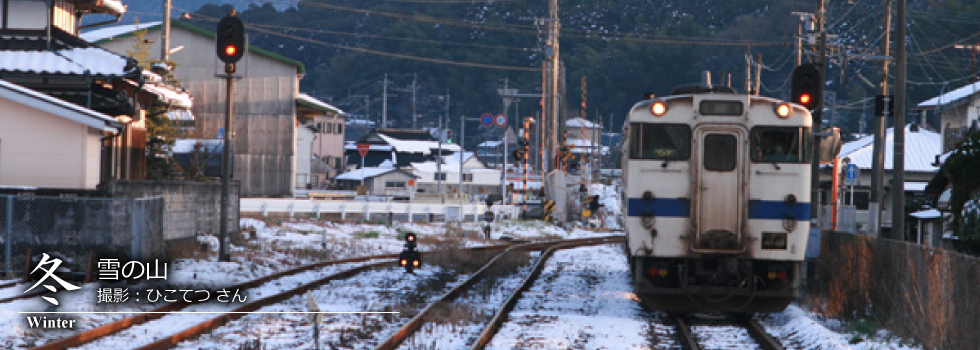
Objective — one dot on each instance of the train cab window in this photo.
(720, 152)
(660, 141)
(780, 144)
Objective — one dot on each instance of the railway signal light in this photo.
(410, 258)
(884, 104)
(518, 155)
(807, 88)
(230, 39)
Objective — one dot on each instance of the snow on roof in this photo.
(109, 32)
(580, 123)
(187, 145)
(927, 214)
(413, 146)
(490, 144)
(316, 103)
(915, 186)
(180, 115)
(175, 97)
(61, 108)
(454, 158)
(75, 61)
(949, 97)
(921, 149)
(364, 173)
(353, 146)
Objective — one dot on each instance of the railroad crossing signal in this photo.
(410, 258)
(807, 89)
(230, 39)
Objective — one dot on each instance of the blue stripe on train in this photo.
(660, 207)
(681, 208)
(778, 210)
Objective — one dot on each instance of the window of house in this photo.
(329, 129)
(395, 184)
(861, 199)
(340, 128)
(467, 177)
(440, 176)
(319, 127)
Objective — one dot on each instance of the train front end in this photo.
(716, 192)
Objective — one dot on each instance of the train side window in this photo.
(780, 144)
(659, 141)
(720, 152)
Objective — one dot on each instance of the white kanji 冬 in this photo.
(49, 273)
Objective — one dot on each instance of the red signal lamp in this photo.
(230, 50)
(805, 99)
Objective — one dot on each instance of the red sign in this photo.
(362, 148)
(500, 120)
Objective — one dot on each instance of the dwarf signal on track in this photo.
(410, 258)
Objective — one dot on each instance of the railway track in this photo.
(425, 315)
(737, 331)
(198, 328)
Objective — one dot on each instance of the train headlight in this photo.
(783, 110)
(658, 108)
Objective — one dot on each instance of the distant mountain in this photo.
(151, 10)
(613, 51)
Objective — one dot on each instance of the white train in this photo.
(716, 192)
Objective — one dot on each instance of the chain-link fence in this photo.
(75, 228)
(928, 294)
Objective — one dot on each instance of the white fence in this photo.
(363, 210)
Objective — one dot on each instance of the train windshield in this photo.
(780, 144)
(660, 141)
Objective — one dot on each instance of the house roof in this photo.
(490, 144)
(369, 172)
(414, 146)
(58, 107)
(103, 35)
(921, 148)
(950, 98)
(92, 61)
(580, 123)
(314, 103)
(407, 134)
(454, 158)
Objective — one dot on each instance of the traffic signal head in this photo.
(230, 39)
(448, 136)
(807, 87)
(410, 260)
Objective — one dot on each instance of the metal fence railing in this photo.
(76, 228)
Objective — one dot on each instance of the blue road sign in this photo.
(851, 175)
(487, 119)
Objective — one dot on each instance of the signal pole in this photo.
(230, 48)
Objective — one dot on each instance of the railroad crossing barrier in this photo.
(364, 210)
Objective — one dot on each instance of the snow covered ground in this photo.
(583, 299)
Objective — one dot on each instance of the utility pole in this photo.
(878, 151)
(898, 163)
(758, 74)
(384, 102)
(165, 33)
(415, 116)
(817, 119)
(553, 70)
(748, 70)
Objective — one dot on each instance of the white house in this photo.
(477, 178)
(47, 142)
(958, 110)
(921, 148)
(379, 181)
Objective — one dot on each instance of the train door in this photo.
(719, 191)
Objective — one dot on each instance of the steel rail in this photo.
(501, 315)
(416, 322)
